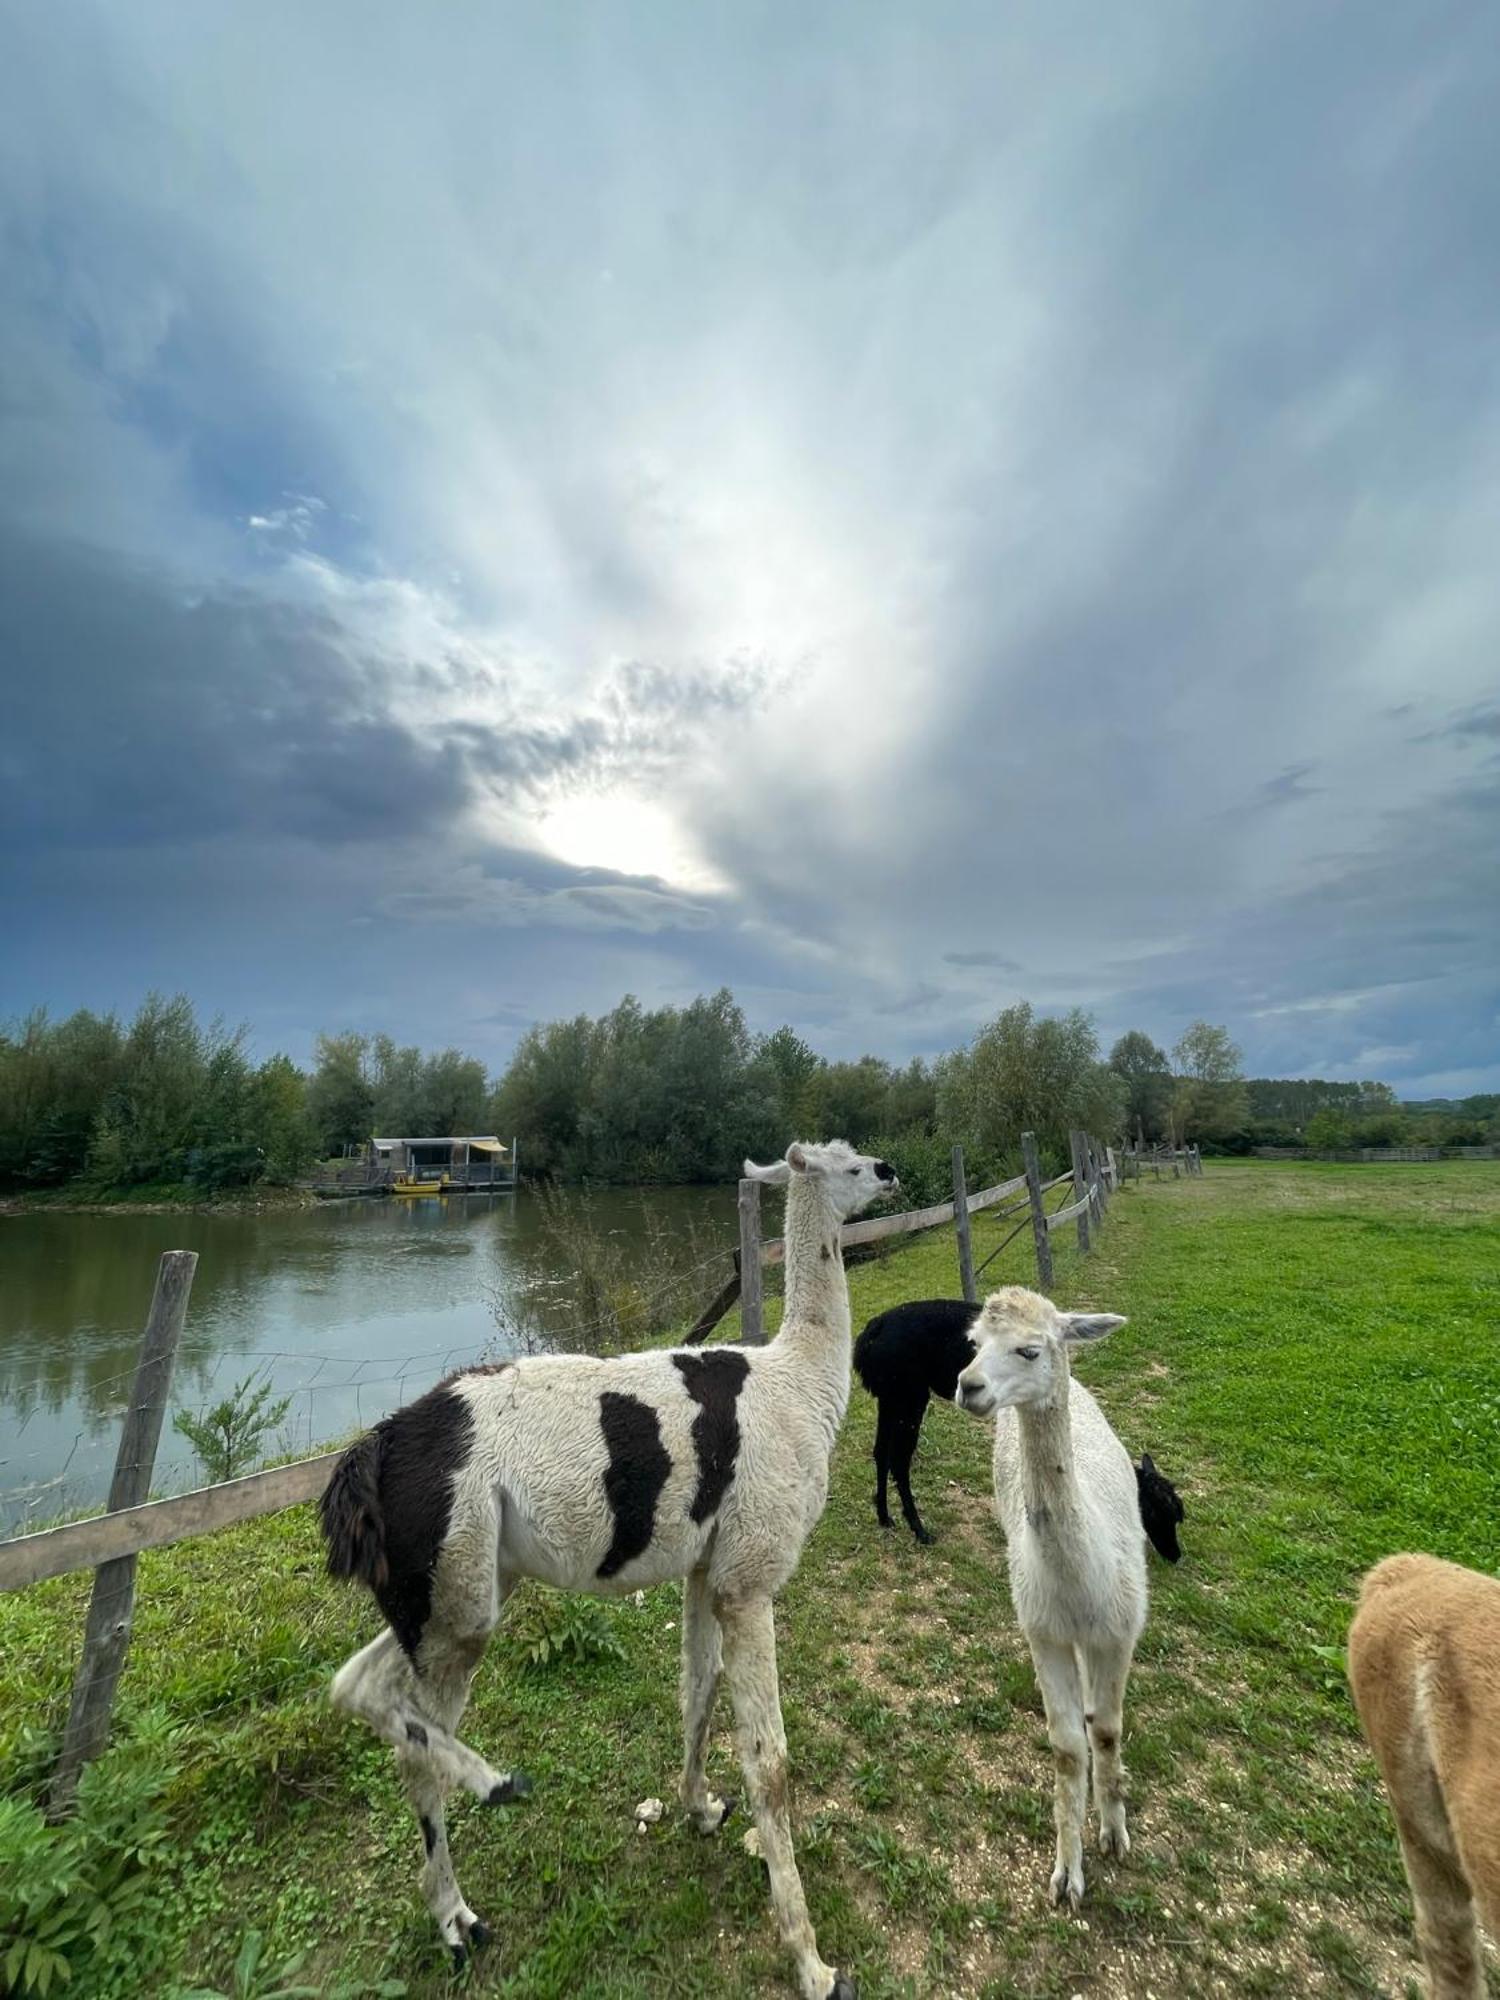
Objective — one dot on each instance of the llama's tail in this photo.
(353, 1523)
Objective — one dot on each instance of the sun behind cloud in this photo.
(631, 836)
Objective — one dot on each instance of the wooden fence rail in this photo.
(110, 1543)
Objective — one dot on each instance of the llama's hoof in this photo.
(885, 1521)
(1115, 1841)
(479, 1934)
(516, 1786)
(717, 1815)
(843, 1988)
(1067, 1887)
(924, 1536)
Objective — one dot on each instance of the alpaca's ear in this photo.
(796, 1159)
(1088, 1326)
(773, 1176)
(1147, 1464)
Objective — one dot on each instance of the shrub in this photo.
(545, 1627)
(71, 1894)
(228, 1437)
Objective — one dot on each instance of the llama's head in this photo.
(848, 1181)
(1022, 1341)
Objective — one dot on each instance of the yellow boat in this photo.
(416, 1187)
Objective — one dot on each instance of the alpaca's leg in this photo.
(1446, 1935)
(1062, 1697)
(750, 1663)
(701, 1652)
(907, 1434)
(1107, 1669)
(884, 1430)
(1444, 1906)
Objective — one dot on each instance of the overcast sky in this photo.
(893, 509)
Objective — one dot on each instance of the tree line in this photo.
(668, 1094)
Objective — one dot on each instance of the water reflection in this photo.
(350, 1307)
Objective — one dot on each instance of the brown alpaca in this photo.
(1424, 1663)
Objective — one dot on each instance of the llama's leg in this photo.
(907, 1434)
(1108, 1668)
(750, 1663)
(447, 1661)
(462, 1931)
(381, 1687)
(884, 1431)
(701, 1651)
(1062, 1697)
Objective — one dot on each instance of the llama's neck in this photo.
(1049, 1485)
(815, 1320)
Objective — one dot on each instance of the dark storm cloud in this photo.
(1013, 490)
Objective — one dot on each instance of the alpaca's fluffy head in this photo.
(849, 1180)
(1023, 1340)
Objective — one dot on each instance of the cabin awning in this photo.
(489, 1144)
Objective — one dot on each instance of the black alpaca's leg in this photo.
(905, 1444)
(884, 1432)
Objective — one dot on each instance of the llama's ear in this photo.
(1088, 1326)
(796, 1159)
(776, 1175)
(1147, 1464)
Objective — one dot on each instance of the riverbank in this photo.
(158, 1199)
(1296, 1334)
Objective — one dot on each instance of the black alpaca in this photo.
(918, 1350)
(903, 1357)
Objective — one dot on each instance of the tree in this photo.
(1329, 1131)
(340, 1095)
(1209, 1099)
(1023, 1074)
(1142, 1067)
(790, 1067)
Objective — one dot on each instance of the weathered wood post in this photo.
(1080, 1189)
(1038, 1212)
(1091, 1175)
(106, 1635)
(752, 1292)
(962, 1230)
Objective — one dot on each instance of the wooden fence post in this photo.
(106, 1636)
(1080, 1189)
(961, 1229)
(752, 1313)
(1091, 1175)
(1038, 1212)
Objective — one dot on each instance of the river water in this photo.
(351, 1308)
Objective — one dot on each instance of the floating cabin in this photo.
(437, 1166)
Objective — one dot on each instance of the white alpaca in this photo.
(1065, 1492)
(603, 1476)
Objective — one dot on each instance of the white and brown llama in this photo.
(1066, 1496)
(604, 1476)
(1424, 1664)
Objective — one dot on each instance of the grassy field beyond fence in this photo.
(1314, 1357)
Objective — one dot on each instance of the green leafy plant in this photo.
(255, 1978)
(228, 1437)
(66, 1890)
(544, 1627)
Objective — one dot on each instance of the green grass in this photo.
(1311, 1355)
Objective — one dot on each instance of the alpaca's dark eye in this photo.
(854, 1170)
(1027, 1353)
